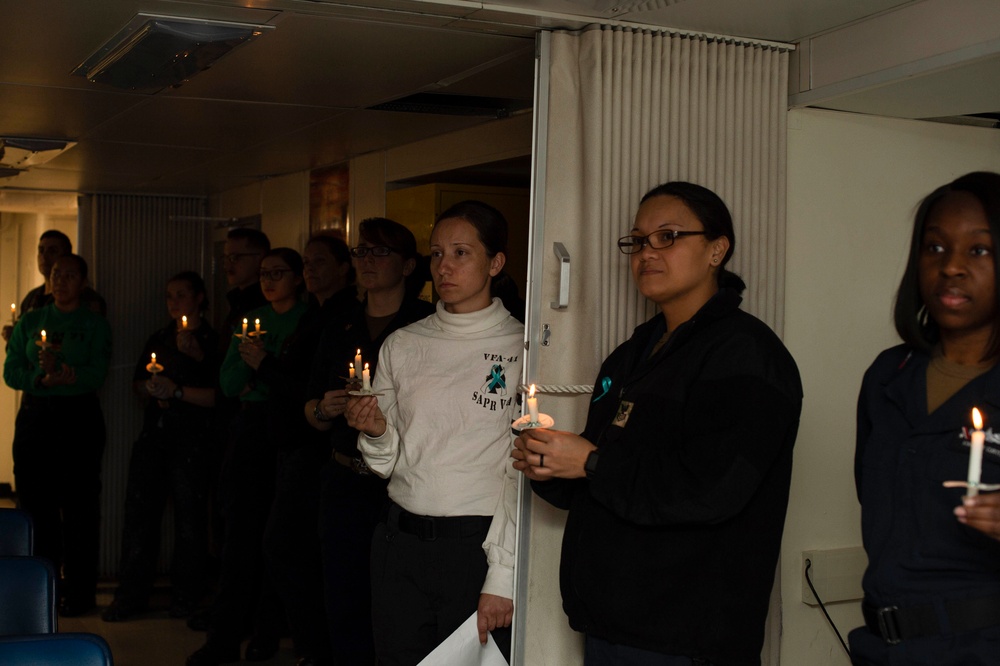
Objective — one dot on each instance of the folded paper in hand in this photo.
(463, 648)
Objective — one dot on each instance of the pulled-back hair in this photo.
(913, 323)
(714, 216)
(195, 283)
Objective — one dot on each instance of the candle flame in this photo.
(256, 322)
(366, 366)
(154, 358)
(43, 335)
(244, 320)
(531, 393)
(358, 353)
(184, 321)
(977, 419)
(351, 365)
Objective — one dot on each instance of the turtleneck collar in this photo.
(470, 323)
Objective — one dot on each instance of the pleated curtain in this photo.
(631, 109)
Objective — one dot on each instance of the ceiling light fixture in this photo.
(153, 52)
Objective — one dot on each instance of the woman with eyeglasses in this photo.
(248, 474)
(677, 486)
(352, 500)
(291, 540)
(438, 429)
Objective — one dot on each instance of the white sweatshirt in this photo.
(450, 395)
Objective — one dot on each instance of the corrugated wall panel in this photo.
(134, 246)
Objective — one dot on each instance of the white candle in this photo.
(976, 453)
(245, 322)
(13, 311)
(357, 360)
(350, 369)
(366, 384)
(533, 405)
(256, 326)
(43, 336)
(184, 321)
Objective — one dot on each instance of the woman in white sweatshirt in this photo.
(439, 430)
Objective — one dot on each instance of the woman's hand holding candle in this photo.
(364, 414)
(544, 454)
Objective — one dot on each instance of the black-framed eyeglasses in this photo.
(657, 240)
(361, 251)
(275, 274)
(236, 256)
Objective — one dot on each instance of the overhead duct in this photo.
(18, 154)
(153, 52)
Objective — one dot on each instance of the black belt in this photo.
(429, 528)
(896, 624)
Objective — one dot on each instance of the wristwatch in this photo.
(179, 393)
(318, 414)
(590, 466)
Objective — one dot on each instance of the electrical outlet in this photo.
(836, 574)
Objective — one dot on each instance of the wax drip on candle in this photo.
(976, 443)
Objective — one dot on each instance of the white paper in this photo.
(463, 648)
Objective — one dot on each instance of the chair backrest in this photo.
(28, 594)
(55, 650)
(15, 533)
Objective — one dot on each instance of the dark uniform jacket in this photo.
(918, 552)
(671, 544)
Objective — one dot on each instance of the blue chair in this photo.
(55, 650)
(28, 594)
(16, 533)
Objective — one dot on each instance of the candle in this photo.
(184, 321)
(256, 326)
(244, 327)
(43, 336)
(13, 311)
(357, 360)
(350, 370)
(533, 405)
(976, 453)
(366, 384)
(152, 358)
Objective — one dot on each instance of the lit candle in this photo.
(184, 321)
(152, 358)
(976, 453)
(357, 360)
(366, 384)
(43, 336)
(245, 327)
(13, 311)
(533, 405)
(350, 369)
(256, 326)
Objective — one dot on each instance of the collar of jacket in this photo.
(907, 389)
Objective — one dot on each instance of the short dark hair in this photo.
(59, 236)
(910, 316)
(290, 257)
(714, 216)
(195, 283)
(383, 231)
(338, 248)
(255, 238)
(81, 263)
(489, 223)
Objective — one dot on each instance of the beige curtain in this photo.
(630, 110)
(625, 110)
